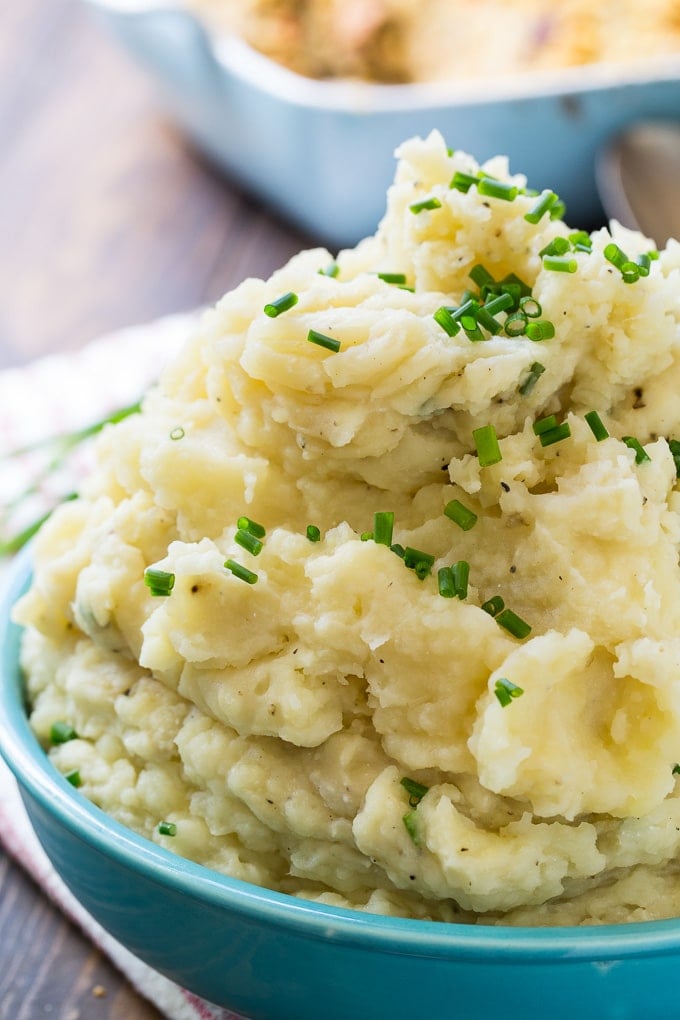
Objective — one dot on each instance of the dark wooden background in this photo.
(107, 219)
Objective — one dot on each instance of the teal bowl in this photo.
(273, 957)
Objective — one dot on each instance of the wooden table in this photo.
(107, 219)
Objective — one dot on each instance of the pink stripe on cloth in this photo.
(61, 393)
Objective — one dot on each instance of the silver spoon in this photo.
(638, 178)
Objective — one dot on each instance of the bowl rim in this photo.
(236, 58)
(26, 759)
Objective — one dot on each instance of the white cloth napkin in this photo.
(58, 394)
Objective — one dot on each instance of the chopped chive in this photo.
(280, 304)
(463, 182)
(615, 255)
(467, 306)
(321, 340)
(418, 561)
(545, 201)
(61, 732)
(248, 541)
(675, 771)
(514, 281)
(530, 306)
(460, 571)
(558, 210)
(494, 605)
(332, 270)
(515, 324)
(313, 533)
(535, 371)
(506, 691)
(492, 188)
(383, 525)
(643, 263)
(485, 319)
(447, 588)
(486, 442)
(398, 550)
(544, 424)
(581, 240)
(541, 330)
(480, 275)
(596, 425)
(159, 582)
(630, 272)
(167, 828)
(632, 443)
(471, 328)
(551, 436)
(240, 571)
(558, 246)
(74, 778)
(245, 524)
(366, 536)
(392, 277)
(427, 203)
(416, 791)
(674, 447)
(560, 263)
(411, 824)
(497, 304)
(445, 319)
(460, 515)
(177, 433)
(513, 623)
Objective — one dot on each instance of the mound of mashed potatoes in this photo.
(377, 600)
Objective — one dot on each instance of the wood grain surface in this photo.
(107, 219)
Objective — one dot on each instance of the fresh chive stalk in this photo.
(418, 561)
(460, 514)
(445, 583)
(74, 778)
(535, 372)
(280, 304)
(61, 732)
(506, 691)
(492, 188)
(398, 278)
(460, 571)
(411, 825)
(383, 526)
(159, 582)
(167, 828)
(248, 541)
(445, 319)
(246, 524)
(416, 791)
(542, 206)
(425, 204)
(321, 340)
(596, 425)
(313, 533)
(486, 442)
(632, 443)
(513, 623)
(494, 605)
(540, 330)
(238, 570)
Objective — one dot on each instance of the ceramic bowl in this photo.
(270, 956)
(322, 152)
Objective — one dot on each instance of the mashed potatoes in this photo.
(469, 711)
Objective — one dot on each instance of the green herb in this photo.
(427, 203)
(398, 278)
(499, 303)
(581, 240)
(460, 571)
(313, 533)
(332, 270)
(643, 263)
(486, 442)
(494, 605)
(445, 583)
(535, 372)
(471, 327)
(61, 732)
(280, 304)
(506, 691)
(167, 828)
(558, 246)
(538, 331)
(676, 769)
(632, 443)
(555, 435)
(515, 324)
(463, 182)
(445, 319)
(460, 514)
(596, 425)
(492, 188)
(530, 306)
(398, 550)
(418, 561)
(513, 623)
(545, 202)
(485, 319)
(159, 582)
(74, 778)
(558, 210)
(241, 572)
(674, 447)
(248, 541)
(321, 340)
(560, 263)
(411, 823)
(544, 424)
(383, 525)
(480, 275)
(245, 524)
(177, 433)
(416, 791)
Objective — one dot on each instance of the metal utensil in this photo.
(638, 178)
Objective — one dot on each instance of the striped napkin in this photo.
(58, 394)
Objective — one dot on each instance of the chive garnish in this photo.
(460, 572)
(241, 572)
(418, 561)
(558, 210)
(486, 442)
(541, 330)
(460, 515)
(506, 691)
(530, 306)
(480, 275)
(544, 424)
(159, 582)
(675, 771)
(398, 278)
(500, 303)
(245, 524)
(416, 791)
(313, 533)
(447, 588)
(492, 188)
(596, 425)
(321, 340)
(398, 550)
(280, 304)
(558, 246)
(332, 270)
(411, 824)
(632, 443)
(167, 828)
(581, 241)
(545, 201)
(515, 324)
(427, 203)
(177, 433)
(674, 447)
(445, 319)
(560, 263)
(487, 320)
(463, 182)
(248, 541)
(471, 327)
(494, 605)
(74, 778)
(536, 370)
(383, 525)
(61, 732)
(555, 435)
(513, 623)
